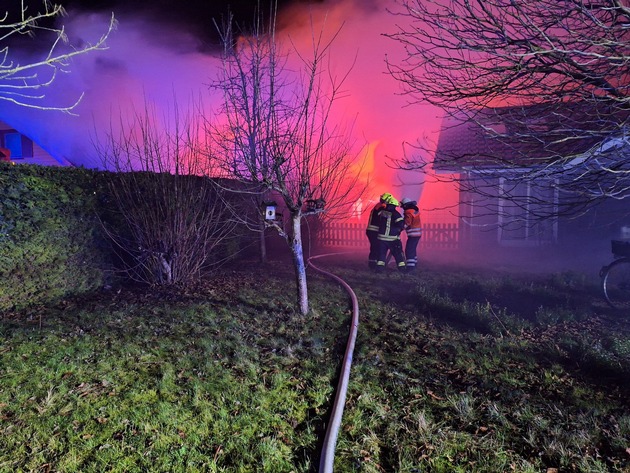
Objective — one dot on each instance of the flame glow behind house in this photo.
(148, 62)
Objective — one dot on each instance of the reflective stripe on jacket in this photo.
(413, 223)
(373, 220)
(391, 223)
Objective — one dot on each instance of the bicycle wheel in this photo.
(616, 283)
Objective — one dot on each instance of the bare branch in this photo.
(22, 82)
(278, 134)
(175, 218)
(540, 90)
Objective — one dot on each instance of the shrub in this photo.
(50, 243)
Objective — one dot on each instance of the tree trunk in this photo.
(295, 242)
(263, 243)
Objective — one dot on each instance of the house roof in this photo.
(522, 137)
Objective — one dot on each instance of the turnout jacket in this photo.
(391, 223)
(413, 223)
(374, 218)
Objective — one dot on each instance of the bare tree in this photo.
(175, 225)
(277, 136)
(541, 85)
(23, 83)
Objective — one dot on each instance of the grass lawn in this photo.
(454, 371)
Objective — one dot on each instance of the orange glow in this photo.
(369, 165)
(373, 101)
(173, 69)
(377, 179)
(439, 202)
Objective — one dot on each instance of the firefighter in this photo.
(413, 227)
(372, 233)
(391, 224)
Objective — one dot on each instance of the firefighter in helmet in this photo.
(413, 227)
(371, 232)
(391, 224)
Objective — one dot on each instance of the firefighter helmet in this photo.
(407, 201)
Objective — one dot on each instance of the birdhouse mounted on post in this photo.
(270, 210)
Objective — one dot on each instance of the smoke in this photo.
(384, 120)
(144, 63)
(151, 61)
(157, 62)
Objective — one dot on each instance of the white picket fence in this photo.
(443, 236)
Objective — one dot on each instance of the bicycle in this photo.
(615, 277)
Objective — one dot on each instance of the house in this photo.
(21, 149)
(514, 169)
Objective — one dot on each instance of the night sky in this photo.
(195, 16)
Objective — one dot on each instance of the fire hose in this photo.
(330, 440)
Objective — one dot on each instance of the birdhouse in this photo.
(270, 210)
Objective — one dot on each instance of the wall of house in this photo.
(439, 200)
(506, 212)
(579, 243)
(38, 155)
(593, 231)
(478, 224)
(42, 157)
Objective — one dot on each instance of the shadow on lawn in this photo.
(561, 318)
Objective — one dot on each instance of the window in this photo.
(522, 210)
(20, 145)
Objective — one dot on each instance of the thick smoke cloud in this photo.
(158, 61)
(158, 56)
(141, 62)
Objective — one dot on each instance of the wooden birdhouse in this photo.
(270, 210)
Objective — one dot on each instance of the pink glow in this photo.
(144, 60)
(383, 119)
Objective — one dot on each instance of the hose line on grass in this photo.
(330, 440)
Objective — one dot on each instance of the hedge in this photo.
(51, 245)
